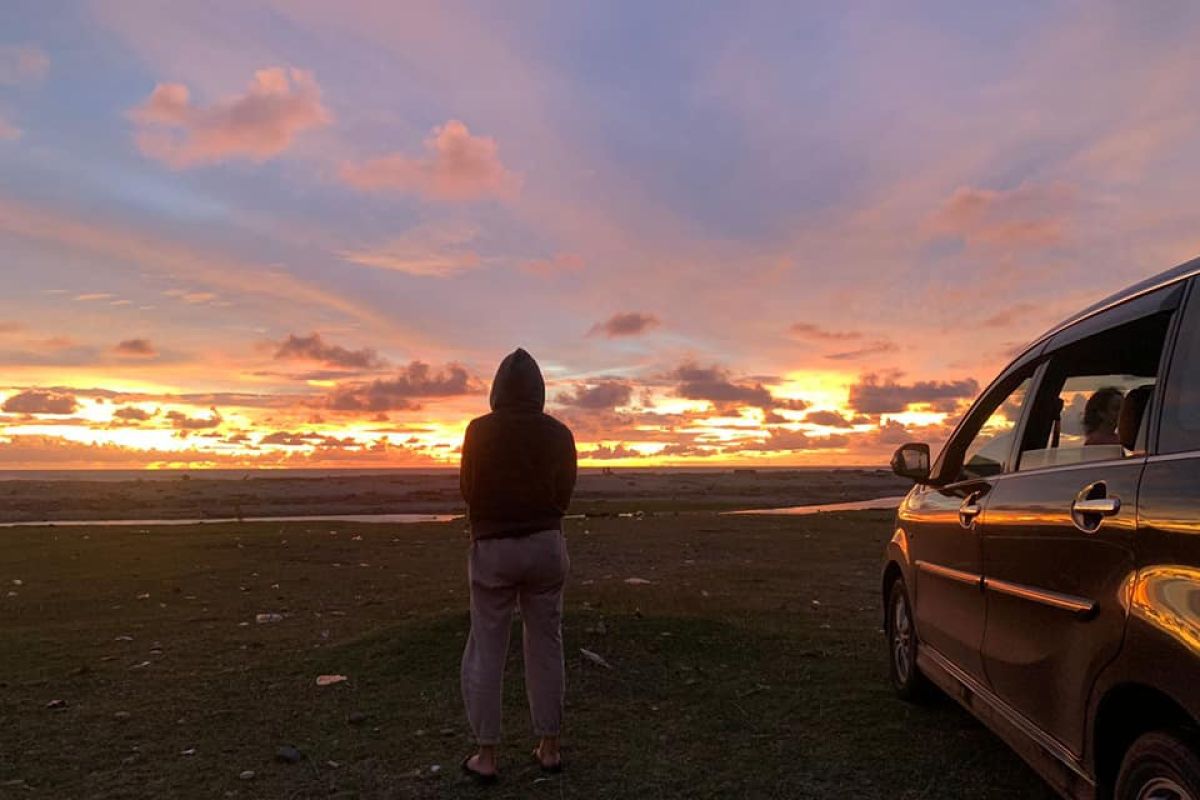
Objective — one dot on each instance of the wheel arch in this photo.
(1126, 712)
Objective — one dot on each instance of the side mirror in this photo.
(912, 461)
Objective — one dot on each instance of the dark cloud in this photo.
(314, 348)
(41, 401)
(870, 396)
(183, 422)
(138, 348)
(630, 323)
(604, 452)
(875, 348)
(600, 395)
(416, 381)
(830, 419)
(132, 414)
(806, 330)
(715, 385)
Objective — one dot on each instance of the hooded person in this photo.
(517, 476)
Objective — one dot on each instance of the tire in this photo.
(1159, 766)
(905, 675)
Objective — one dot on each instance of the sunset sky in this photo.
(303, 233)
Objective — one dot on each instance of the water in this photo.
(890, 503)
(400, 519)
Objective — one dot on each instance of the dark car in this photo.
(1045, 570)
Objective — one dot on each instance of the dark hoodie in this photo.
(518, 463)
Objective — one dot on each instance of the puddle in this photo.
(857, 505)
(394, 519)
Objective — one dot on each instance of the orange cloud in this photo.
(257, 125)
(22, 63)
(456, 166)
(38, 401)
(1027, 216)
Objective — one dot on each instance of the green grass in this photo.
(727, 680)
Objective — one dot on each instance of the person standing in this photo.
(517, 475)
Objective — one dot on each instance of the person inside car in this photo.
(1100, 416)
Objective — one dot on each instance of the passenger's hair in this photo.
(1093, 412)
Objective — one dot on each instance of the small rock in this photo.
(333, 764)
(595, 658)
(141, 665)
(330, 680)
(246, 775)
(55, 705)
(122, 715)
(435, 769)
(18, 582)
(288, 755)
(191, 751)
(263, 619)
(356, 718)
(637, 581)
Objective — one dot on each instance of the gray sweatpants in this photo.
(530, 570)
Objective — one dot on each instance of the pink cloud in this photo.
(8, 131)
(629, 323)
(560, 263)
(22, 63)
(1027, 216)
(455, 166)
(257, 125)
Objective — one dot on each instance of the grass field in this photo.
(751, 665)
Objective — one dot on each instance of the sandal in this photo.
(483, 778)
(556, 767)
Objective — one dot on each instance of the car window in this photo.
(1094, 401)
(1180, 428)
(988, 450)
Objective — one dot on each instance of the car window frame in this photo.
(1189, 302)
(1168, 298)
(1011, 378)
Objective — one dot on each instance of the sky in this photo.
(303, 234)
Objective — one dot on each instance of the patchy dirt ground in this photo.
(750, 665)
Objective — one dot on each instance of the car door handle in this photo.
(969, 510)
(1092, 505)
(1104, 506)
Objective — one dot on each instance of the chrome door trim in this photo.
(1184, 456)
(969, 578)
(1064, 602)
(1046, 741)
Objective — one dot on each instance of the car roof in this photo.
(1173, 275)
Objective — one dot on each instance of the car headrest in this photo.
(1133, 410)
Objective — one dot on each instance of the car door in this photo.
(1165, 602)
(943, 539)
(1058, 533)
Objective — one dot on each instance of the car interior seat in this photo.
(1132, 420)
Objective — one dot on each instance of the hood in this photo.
(518, 383)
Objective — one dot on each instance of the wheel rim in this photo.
(1163, 789)
(902, 639)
